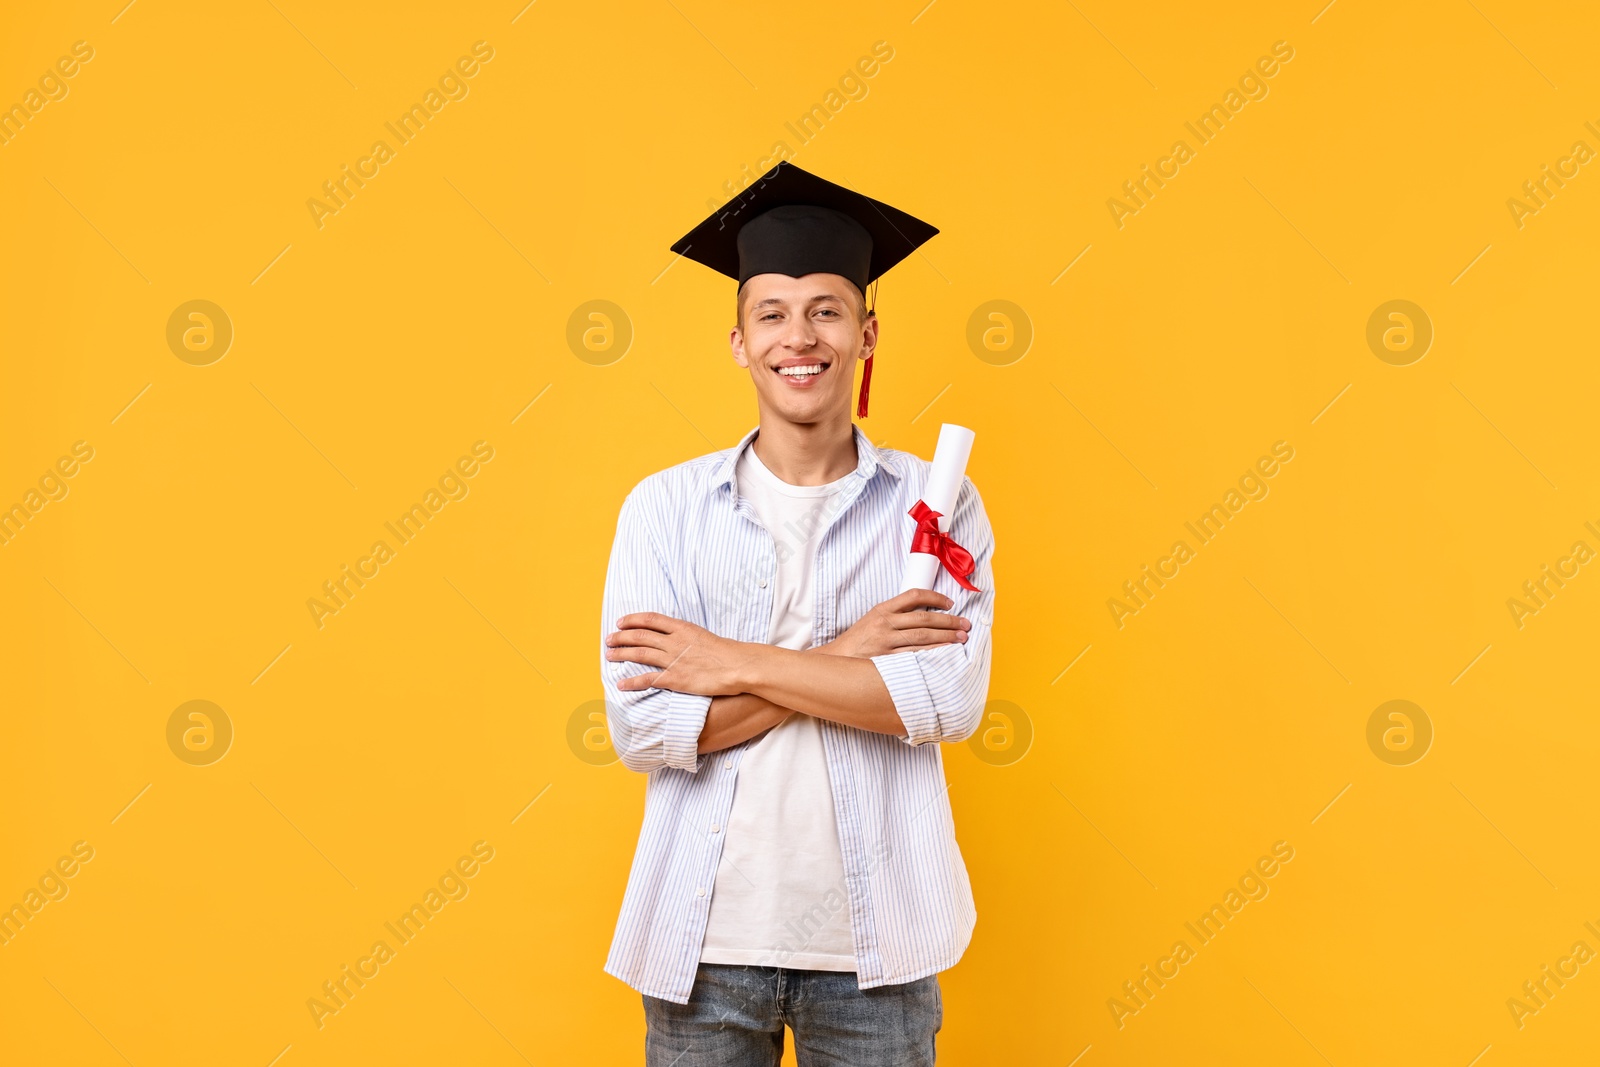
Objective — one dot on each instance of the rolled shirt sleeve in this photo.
(651, 728)
(940, 691)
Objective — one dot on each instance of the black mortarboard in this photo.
(792, 222)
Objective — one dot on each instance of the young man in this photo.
(797, 863)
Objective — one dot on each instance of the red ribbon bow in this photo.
(930, 539)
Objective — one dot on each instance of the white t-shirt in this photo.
(780, 898)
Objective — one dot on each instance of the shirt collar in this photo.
(869, 459)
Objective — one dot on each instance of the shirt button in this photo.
(700, 892)
(715, 828)
(763, 583)
(728, 763)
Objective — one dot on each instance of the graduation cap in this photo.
(789, 221)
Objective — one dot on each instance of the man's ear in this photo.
(736, 345)
(869, 335)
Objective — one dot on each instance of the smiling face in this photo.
(812, 322)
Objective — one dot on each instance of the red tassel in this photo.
(866, 379)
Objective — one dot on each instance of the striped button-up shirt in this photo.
(689, 546)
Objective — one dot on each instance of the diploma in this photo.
(931, 546)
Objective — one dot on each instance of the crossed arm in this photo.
(754, 687)
(901, 670)
(732, 719)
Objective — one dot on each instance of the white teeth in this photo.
(815, 368)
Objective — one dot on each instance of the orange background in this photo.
(1138, 372)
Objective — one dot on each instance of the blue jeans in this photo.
(736, 1015)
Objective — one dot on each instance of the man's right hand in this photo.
(904, 623)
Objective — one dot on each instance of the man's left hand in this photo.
(690, 658)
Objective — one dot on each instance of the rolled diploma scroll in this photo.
(944, 484)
